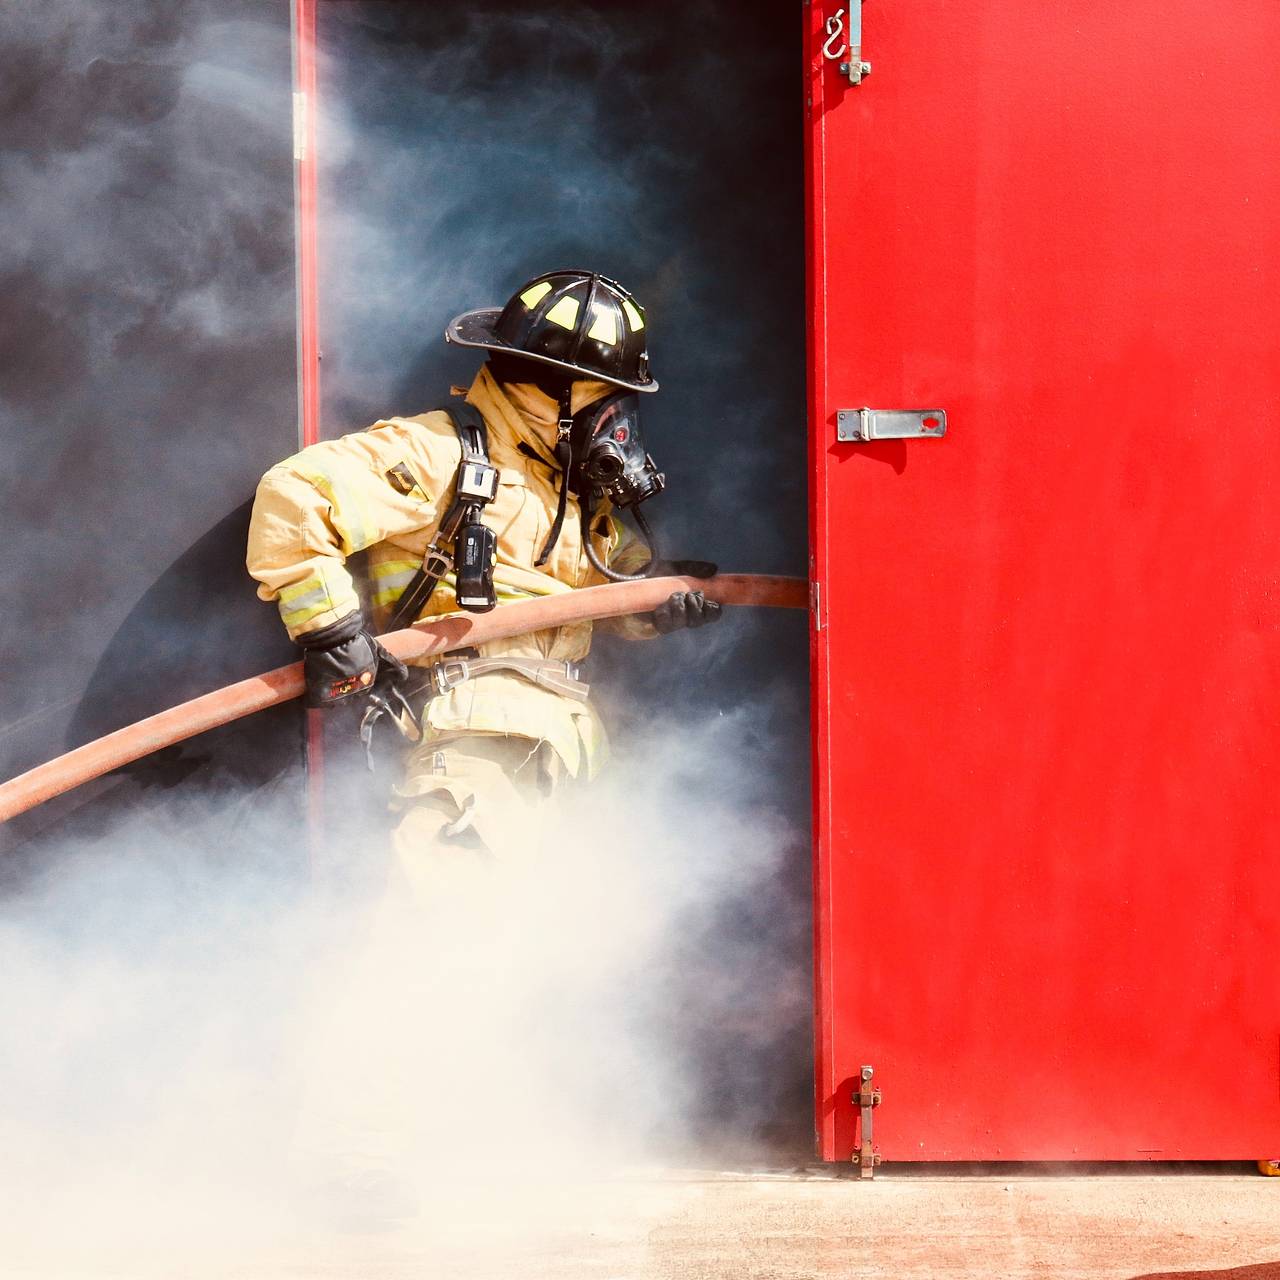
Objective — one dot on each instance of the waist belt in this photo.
(546, 673)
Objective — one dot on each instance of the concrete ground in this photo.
(759, 1226)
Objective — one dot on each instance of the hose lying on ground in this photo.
(423, 640)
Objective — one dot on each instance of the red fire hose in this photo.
(424, 640)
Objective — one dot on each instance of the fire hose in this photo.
(423, 640)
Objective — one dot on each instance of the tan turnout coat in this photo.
(383, 492)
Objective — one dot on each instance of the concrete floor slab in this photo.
(712, 1226)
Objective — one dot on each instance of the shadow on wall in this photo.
(147, 664)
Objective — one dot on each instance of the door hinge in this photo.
(866, 1098)
(864, 425)
(815, 604)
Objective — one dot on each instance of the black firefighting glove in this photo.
(343, 661)
(684, 609)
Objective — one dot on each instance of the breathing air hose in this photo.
(424, 640)
(594, 556)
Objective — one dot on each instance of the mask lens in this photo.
(615, 459)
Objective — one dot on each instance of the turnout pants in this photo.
(467, 801)
(406, 1017)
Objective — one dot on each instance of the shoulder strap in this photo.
(473, 436)
(473, 431)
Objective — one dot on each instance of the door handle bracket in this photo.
(864, 425)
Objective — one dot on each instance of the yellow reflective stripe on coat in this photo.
(505, 593)
(389, 579)
(627, 553)
(348, 513)
(310, 598)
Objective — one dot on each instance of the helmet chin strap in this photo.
(564, 460)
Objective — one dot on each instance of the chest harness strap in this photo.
(462, 541)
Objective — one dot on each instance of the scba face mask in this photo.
(610, 462)
(615, 462)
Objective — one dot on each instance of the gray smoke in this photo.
(161, 943)
(463, 150)
(146, 350)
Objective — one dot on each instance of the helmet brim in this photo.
(476, 329)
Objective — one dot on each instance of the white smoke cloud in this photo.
(188, 1039)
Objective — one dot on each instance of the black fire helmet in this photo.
(575, 320)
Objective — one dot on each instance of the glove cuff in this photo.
(334, 634)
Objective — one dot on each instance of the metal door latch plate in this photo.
(866, 1097)
(890, 424)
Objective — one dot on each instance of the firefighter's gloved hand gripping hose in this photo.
(424, 640)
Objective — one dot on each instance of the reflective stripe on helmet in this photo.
(604, 328)
(564, 313)
(578, 321)
(534, 294)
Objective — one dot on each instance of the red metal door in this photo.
(1047, 665)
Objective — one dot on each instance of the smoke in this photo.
(463, 149)
(146, 348)
(196, 1054)
(185, 1006)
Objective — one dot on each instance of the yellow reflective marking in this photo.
(534, 294)
(305, 600)
(348, 513)
(391, 577)
(299, 617)
(564, 313)
(389, 595)
(310, 598)
(634, 318)
(605, 328)
(305, 587)
(393, 568)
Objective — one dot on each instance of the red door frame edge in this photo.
(815, 247)
(303, 23)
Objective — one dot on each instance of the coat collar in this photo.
(518, 411)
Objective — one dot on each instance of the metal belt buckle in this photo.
(442, 674)
(573, 671)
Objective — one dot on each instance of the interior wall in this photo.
(147, 378)
(464, 149)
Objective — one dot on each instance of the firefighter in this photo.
(501, 728)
